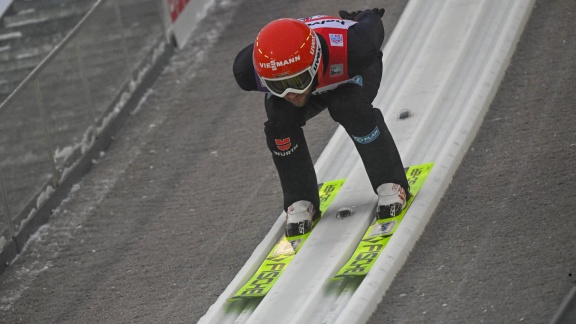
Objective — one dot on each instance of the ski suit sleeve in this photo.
(365, 40)
(243, 69)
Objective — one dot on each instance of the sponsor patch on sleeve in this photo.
(336, 39)
(336, 70)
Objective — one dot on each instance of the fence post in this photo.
(49, 148)
(166, 21)
(6, 207)
(121, 25)
(85, 84)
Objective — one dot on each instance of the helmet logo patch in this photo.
(275, 64)
(313, 46)
(317, 61)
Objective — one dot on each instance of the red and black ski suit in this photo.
(347, 82)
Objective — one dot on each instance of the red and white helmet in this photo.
(287, 56)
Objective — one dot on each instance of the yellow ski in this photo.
(380, 232)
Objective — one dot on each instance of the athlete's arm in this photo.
(365, 40)
(243, 69)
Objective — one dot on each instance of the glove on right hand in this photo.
(352, 15)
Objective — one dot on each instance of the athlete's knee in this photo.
(354, 115)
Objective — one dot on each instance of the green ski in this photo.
(283, 252)
(380, 232)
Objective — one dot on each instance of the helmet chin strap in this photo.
(315, 83)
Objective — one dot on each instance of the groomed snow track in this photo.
(442, 67)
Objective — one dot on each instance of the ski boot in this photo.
(391, 200)
(300, 218)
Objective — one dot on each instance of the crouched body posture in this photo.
(306, 66)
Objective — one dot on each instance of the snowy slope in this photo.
(443, 66)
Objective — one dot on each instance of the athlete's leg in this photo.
(351, 106)
(286, 141)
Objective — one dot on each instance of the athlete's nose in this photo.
(292, 95)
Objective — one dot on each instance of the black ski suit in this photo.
(350, 104)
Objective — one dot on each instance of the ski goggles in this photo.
(298, 83)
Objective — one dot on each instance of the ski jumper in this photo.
(347, 82)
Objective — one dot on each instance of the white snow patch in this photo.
(48, 191)
(24, 221)
(27, 11)
(11, 35)
(44, 196)
(226, 3)
(36, 237)
(3, 243)
(64, 153)
(87, 140)
(27, 22)
(67, 171)
(26, 55)
(25, 275)
(141, 102)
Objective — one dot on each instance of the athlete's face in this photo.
(298, 100)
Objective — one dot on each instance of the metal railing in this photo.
(49, 121)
